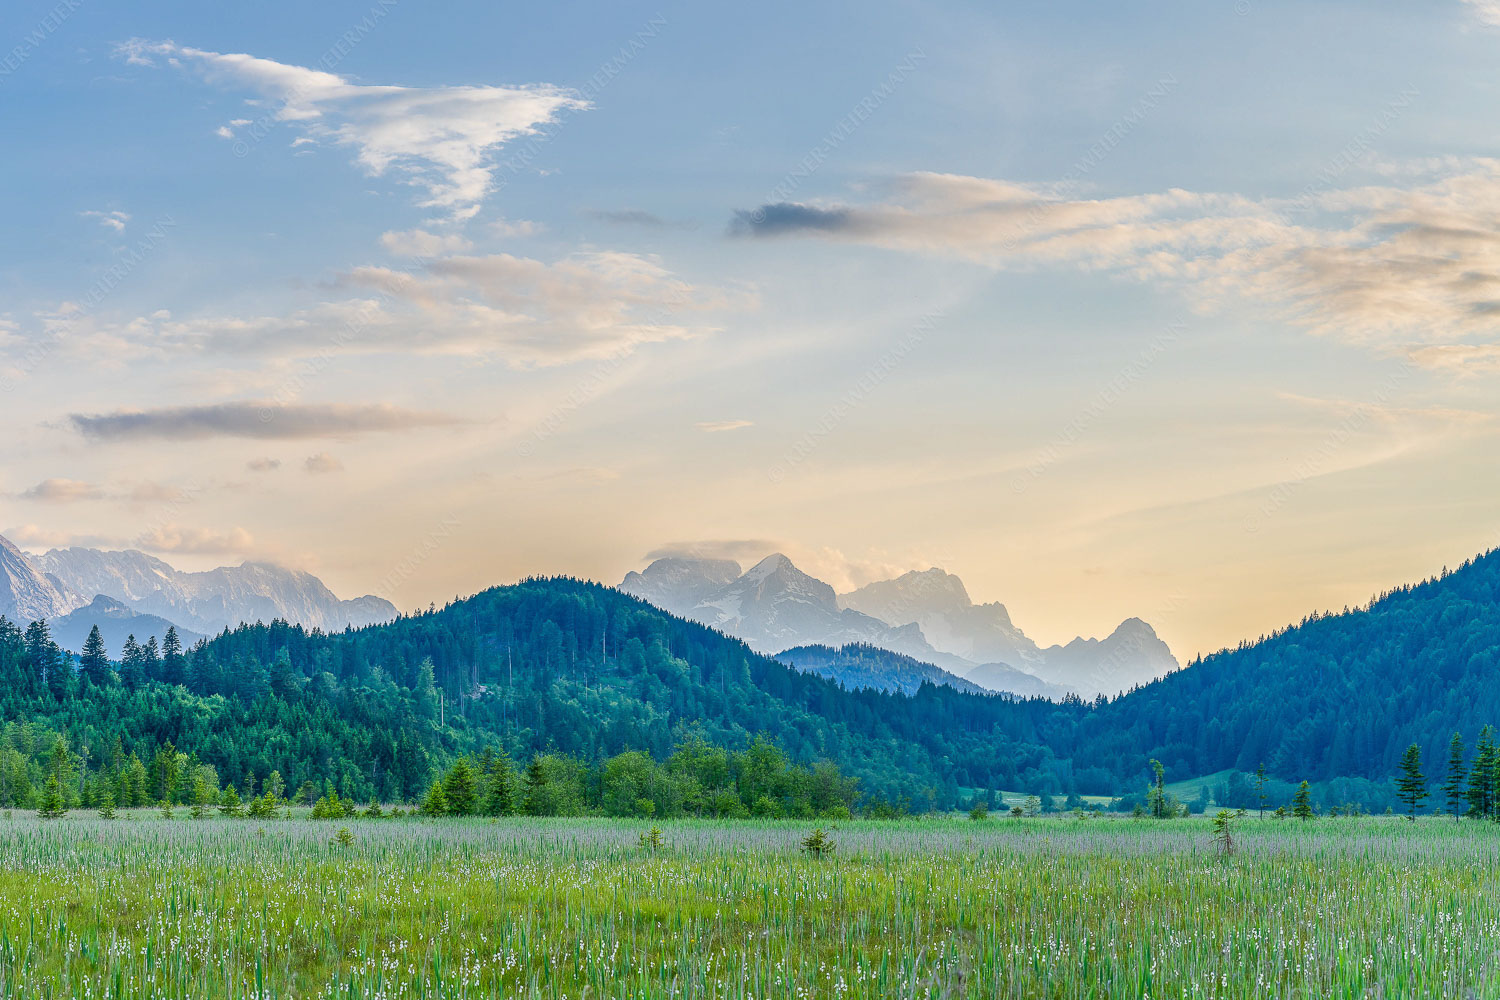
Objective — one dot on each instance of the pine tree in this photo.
(173, 667)
(1302, 802)
(536, 787)
(94, 663)
(151, 659)
(1481, 777)
(106, 804)
(229, 803)
(1260, 787)
(458, 788)
(51, 805)
(502, 787)
(434, 804)
(203, 796)
(1456, 789)
(42, 654)
(132, 664)
(1411, 785)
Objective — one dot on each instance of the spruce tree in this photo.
(459, 788)
(51, 805)
(1411, 785)
(94, 663)
(1456, 788)
(502, 787)
(106, 803)
(132, 664)
(536, 788)
(1260, 787)
(1481, 777)
(1302, 802)
(434, 804)
(229, 803)
(173, 667)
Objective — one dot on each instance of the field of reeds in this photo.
(142, 906)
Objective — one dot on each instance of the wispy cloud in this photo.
(1487, 11)
(442, 138)
(253, 420)
(1381, 265)
(322, 463)
(716, 426)
(420, 243)
(109, 219)
(197, 541)
(63, 491)
(263, 464)
(636, 217)
(522, 311)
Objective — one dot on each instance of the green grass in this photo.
(1061, 908)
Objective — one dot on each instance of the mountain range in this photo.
(143, 595)
(570, 667)
(927, 616)
(212, 600)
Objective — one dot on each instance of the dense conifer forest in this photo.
(569, 671)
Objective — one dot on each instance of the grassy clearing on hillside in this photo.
(571, 908)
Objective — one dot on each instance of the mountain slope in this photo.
(1336, 695)
(680, 584)
(212, 600)
(772, 606)
(25, 593)
(940, 605)
(859, 666)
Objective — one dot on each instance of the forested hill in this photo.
(585, 670)
(1337, 695)
(547, 664)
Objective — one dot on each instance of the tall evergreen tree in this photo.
(173, 664)
(94, 662)
(459, 788)
(1260, 788)
(502, 786)
(1302, 802)
(1411, 784)
(1456, 788)
(1481, 776)
(132, 664)
(42, 653)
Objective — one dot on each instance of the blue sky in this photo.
(1183, 313)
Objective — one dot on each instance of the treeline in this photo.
(583, 672)
(544, 666)
(696, 779)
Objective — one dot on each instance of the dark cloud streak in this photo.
(253, 420)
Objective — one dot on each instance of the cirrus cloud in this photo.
(1379, 265)
(441, 138)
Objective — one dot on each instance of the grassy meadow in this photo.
(141, 906)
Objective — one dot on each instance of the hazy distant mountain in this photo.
(940, 604)
(1130, 656)
(776, 606)
(860, 666)
(116, 621)
(212, 600)
(25, 592)
(984, 633)
(680, 584)
(773, 606)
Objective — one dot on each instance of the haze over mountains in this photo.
(927, 616)
(141, 595)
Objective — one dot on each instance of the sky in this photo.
(1189, 312)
